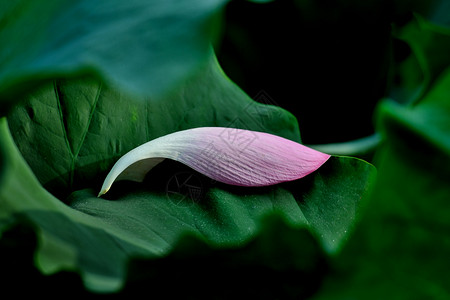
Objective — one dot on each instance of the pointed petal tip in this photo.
(102, 192)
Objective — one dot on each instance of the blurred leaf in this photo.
(145, 47)
(440, 14)
(20, 278)
(400, 248)
(430, 46)
(426, 124)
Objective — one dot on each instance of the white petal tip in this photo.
(102, 192)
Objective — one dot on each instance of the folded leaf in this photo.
(229, 155)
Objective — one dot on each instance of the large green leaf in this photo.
(331, 199)
(144, 220)
(98, 236)
(144, 47)
(92, 125)
(401, 246)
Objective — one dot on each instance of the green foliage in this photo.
(143, 220)
(401, 245)
(86, 87)
(430, 45)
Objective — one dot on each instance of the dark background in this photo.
(327, 62)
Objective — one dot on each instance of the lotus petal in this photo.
(229, 155)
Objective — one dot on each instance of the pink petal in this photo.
(229, 155)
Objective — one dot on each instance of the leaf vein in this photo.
(61, 117)
(83, 136)
(94, 106)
